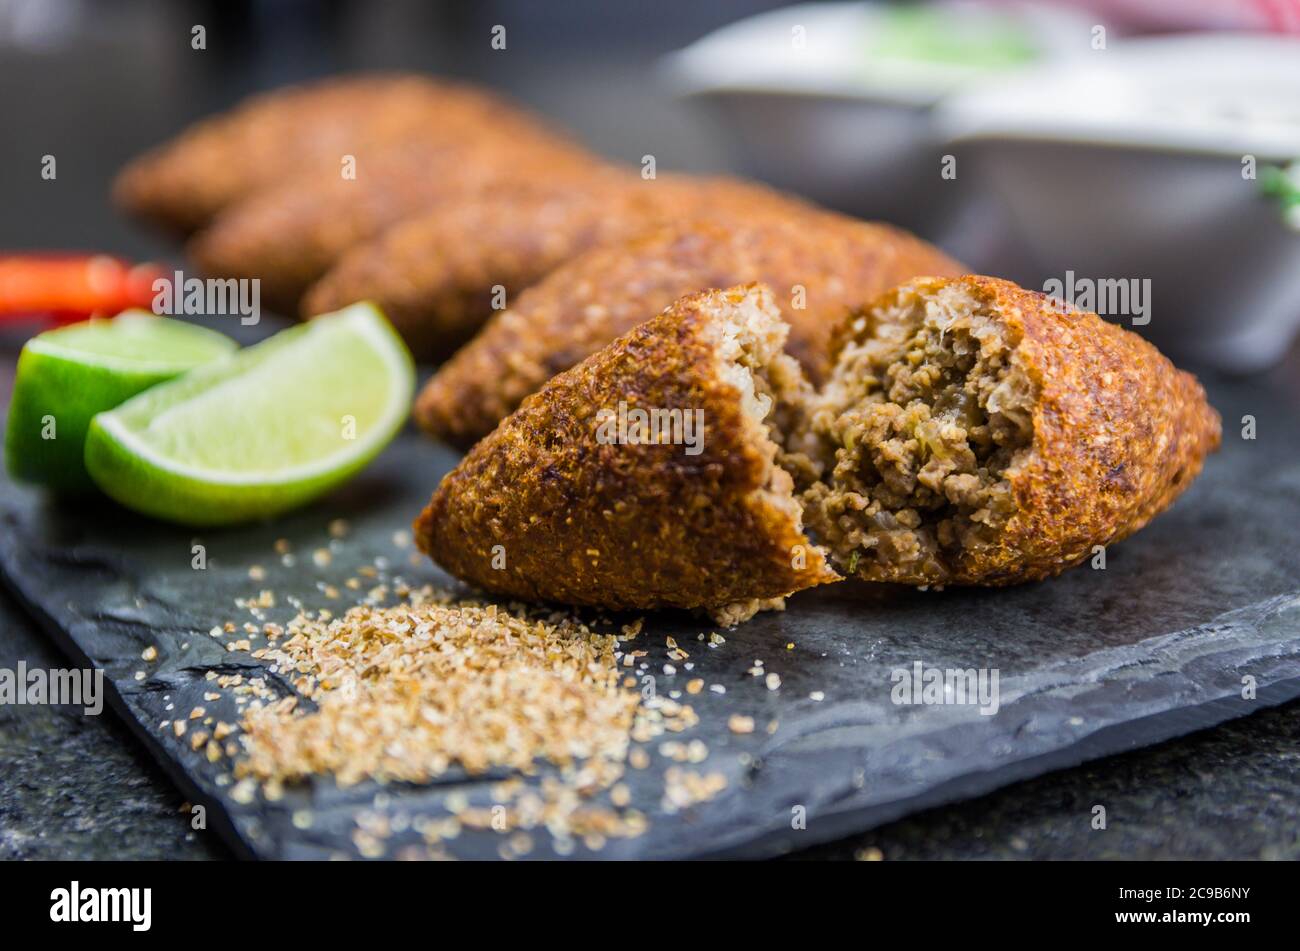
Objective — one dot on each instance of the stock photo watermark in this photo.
(216, 297)
(940, 686)
(636, 426)
(102, 905)
(1106, 297)
(35, 686)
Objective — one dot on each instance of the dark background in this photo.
(92, 83)
(95, 82)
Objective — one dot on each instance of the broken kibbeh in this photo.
(973, 432)
(820, 266)
(559, 505)
(969, 432)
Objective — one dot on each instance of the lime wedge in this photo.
(66, 376)
(262, 431)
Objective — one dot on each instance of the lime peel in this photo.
(66, 376)
(261, 431)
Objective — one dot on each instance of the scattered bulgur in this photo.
(740, 724)
(406, 692)
(683, 788)
(409, 692)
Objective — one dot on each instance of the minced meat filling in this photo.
(896, 466)
(916, 428)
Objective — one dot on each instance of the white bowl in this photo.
(825, 119)
(1132, 168)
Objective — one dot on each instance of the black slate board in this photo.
(1092, 663)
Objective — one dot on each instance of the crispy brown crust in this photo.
(589, 301)
(1119, 433)
(303, 129)
(624, 525)
(433, 274)
(290, 235)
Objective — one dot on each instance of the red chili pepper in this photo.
(69, 287)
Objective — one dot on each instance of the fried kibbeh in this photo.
(290, 235)
(306, 129)
(970, 432)
(821, 264)
(435, 274)
(560, 504)
(974, 432)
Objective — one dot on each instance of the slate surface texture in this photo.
(1154, 646)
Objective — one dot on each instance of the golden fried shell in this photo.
(548, 509)
(306, 130)
(290, 235)
(436, 274)
(1119, 433)
(819, 265)
(1005, 436)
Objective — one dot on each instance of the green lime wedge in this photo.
(66, 376)
(262, 431)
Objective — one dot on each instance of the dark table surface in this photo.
(80, 787)
(77, 787)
